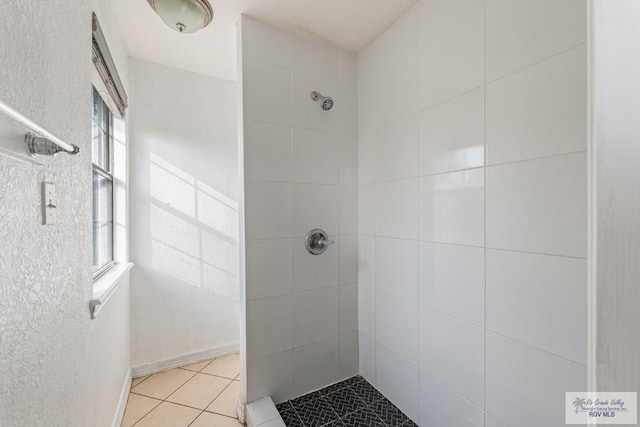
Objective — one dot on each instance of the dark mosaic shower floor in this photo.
(350, 403)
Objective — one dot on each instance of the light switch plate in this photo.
(49, 208)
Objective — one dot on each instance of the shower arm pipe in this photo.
(38, 136)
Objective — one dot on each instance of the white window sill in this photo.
(107, 285)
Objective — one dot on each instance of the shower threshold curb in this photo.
(263, 413)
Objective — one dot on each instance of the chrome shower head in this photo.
(326, 102)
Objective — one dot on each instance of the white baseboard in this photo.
(241, 411)
(187, 359)
(122, 402)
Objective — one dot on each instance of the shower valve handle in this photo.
(317, 241)
(325, 242)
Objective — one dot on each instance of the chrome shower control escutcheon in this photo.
(317, 241)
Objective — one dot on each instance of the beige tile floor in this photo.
(200, 395)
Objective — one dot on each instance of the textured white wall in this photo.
(473, 200)
(109, 353)
(616, 132)
(48, 344)
(184, 215)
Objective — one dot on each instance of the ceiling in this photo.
(350, 24)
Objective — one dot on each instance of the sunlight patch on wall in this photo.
(194, 230)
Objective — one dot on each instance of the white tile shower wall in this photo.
(472, 210)
(300, 173)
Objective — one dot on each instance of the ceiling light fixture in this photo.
(184, 16)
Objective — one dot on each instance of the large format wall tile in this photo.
(267, 151)
(368, 106)
(496, 139)
(348, 96)
(314, 272)
(452, 134)
(316, 316)
(525, 386)
(315, 157)
(452, 281)
(452, 208)
(348, 248)
(539, 111)
(397, 150)
(367, 209)
(367, 310)
(396, 208)
(366, 157)
(268, 210)
(267, 93)
(435, 16)
(397, 267)
(452, 63)
(348, 309)
(269, 326)
(266, 44)
(270, 376)
(397, 380)
(348, 209)
(367, 260)
(522, 32)
(491, 421)
(540, 300)
(324, 358)
(539, 206)
(315, 68)
(397, 325)
(452, 352)
(348, 158)
(269, 264)
(367, 357)
(349, 348)
(440, 406)
(397, 71)
(315, 206)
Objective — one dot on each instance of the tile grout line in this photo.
(420, 175)
(217, 396)
(146, 378)
(194, 420)
(366, 405)
(147, 413)
(536, 158)
(484, 249)
(534, 347)
(451, 390)
(195, 373)
(185, 406)
(538, 62)
(464, 245)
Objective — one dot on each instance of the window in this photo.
(109, 149)
(102, 186)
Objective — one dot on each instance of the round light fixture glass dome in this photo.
(184, 16)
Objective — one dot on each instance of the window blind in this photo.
(106, 68)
